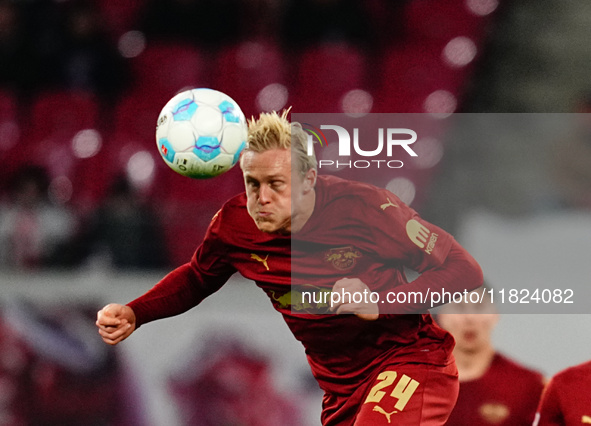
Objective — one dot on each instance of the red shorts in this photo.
(401, 395)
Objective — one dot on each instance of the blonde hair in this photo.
(274, 131)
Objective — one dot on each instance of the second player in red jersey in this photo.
(506, 395)
(494, 390)
(292, 231)
(566, 401)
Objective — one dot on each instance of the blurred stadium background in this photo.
(90, 214)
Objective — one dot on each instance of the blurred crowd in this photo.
(54, 372)
(82, 83)
(83, 44)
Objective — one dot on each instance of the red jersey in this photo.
(566, 400)
(374, 233)
(506, 395)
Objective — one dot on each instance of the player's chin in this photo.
(267, 226)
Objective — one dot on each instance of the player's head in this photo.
(279, 195)
(471, 324)
(274, 131)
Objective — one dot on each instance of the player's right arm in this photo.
(180, 290)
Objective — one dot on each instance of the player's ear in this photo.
(310, 180)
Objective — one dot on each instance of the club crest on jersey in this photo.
(342, 258)
(494, 412)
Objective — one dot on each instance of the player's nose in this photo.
(264, 194)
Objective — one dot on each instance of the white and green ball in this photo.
(200, 133)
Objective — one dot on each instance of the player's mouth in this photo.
(470, 336)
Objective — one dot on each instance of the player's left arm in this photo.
(459, 272)
(401, 235)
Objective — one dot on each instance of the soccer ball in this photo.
(200, 133)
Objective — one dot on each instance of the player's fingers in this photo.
(116, 333)
(110, 341)
(111, 328)
(342, 284)
(367, 312)
(112, 310)
(335, 304)
(346, 308)
(105, 321)
(368, 317)
(107, 316)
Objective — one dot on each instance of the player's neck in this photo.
(472, 365)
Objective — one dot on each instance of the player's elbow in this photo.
(474, 277)
(467, 272)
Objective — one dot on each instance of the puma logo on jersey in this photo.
(380, 410)
(388, 204)
(260, 259)
(586, 420)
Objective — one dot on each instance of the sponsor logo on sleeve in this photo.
(421, 236)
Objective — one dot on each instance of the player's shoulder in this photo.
(337, 186)
(235, 205)
(333, 189)
(512, 367)
(233, 214)
(233, 226)
(573, 374)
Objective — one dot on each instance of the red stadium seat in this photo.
(55, 122)
(8, 110)
(135, 116)
(441, 19)
(62, 134)
(164, 69)
(325, 74)
(133, 130)
(61, 114)
(243, 70)
(10, 132)
(121, 15)
(410, 74)
(58, 122)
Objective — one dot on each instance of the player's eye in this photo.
(276, 184)
(253, 184)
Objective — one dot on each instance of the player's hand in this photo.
(365, 309)
(115, 323)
